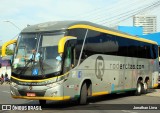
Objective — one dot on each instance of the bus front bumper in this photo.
(56, 98)
(38, 92)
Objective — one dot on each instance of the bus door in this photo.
(69, 55)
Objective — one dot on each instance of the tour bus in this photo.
(65, 60)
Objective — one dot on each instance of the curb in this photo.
(154, 92)
(4, 84)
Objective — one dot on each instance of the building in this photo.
(137, 31)
(149, 23)
(154, 36)
(133, 30)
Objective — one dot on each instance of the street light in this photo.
(13, 24)
(1, 42)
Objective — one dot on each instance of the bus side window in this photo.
(67, 60)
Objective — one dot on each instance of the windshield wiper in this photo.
(32, 60)
(25, 67)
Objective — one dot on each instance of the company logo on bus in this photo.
(99, 67)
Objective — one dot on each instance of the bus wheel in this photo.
(83, 95)
(139, 88)
(145, 87)
(42, 102)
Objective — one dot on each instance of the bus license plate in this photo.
(31, 94)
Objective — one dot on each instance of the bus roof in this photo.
(63, 25)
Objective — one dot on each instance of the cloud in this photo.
(23, 12)
(44, 10)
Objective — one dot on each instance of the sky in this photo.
(17, 14)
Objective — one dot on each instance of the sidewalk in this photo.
(4, 84)
(154, 92)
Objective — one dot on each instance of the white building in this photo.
(5, 68)
(148, 22)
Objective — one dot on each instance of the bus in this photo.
(80, 59)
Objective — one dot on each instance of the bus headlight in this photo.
(55, 84)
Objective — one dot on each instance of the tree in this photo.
(8, 51)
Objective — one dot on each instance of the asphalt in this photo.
(151, 92)
(96, 105)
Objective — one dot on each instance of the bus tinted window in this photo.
(148, 51)
(93, 44)
(102, 43)
(80, 34)
(141, 50)
(122, 46)
(155, 51)
(132, 48)
(110, 45)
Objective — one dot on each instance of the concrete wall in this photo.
(154, 36)
(138, 31)
(131, 30)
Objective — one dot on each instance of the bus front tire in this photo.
(83, 95)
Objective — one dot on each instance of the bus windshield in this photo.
(37, 55)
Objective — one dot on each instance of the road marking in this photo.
(124, 111)
(6, 91)
(29, 100)
(127, 111)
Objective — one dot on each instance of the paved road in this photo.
(121, 103)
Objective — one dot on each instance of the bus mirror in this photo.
(4, 46)
(62, 42)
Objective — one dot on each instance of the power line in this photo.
(13, 24)
(14, 37)
(121, 16)
(102, 10)
(113, 10)
(154, 5)
(126, 13)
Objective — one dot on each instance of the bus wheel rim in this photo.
(139, 88)
(145, 86)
